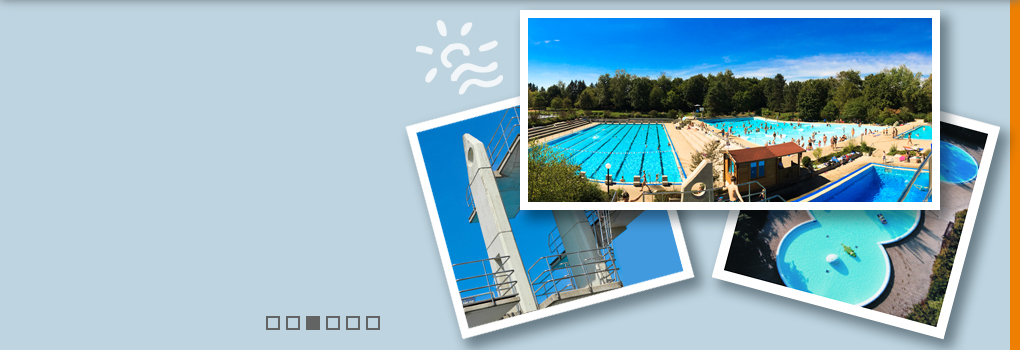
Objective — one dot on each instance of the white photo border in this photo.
(444, 254)
(939, 331)
(934, 15)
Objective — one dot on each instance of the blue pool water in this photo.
(874, 183)
(631, 149)
(957, 166)
(786, 131)
(921, 133)
(801, 257)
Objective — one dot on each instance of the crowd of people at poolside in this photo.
(816, 139)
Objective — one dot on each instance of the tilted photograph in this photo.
(895, 266)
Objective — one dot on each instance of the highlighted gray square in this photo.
(333, 320)
(311, 323)
(297, 323)
(372, 323)
(357, 323)
(272, 323)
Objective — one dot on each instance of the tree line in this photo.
(896, 94)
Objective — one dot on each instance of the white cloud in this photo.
(827, 65)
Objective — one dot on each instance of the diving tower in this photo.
(494, 219)
(582, 261)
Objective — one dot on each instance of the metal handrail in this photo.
(502, 137)
(763, 194)
(554, 240)
(508, 129)
(500, 284)
(547, 283)
(599, 222)
(917, 173)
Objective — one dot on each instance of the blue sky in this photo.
(584, 48)
(647, 249)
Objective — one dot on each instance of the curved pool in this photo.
(956, 165)
(803, 252)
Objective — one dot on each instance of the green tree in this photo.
(588, 99)
(849, 86)
(830, 111)
(603, 92)
(552, 178)
(811, 99)
(537, 100)
(619, 89)
(566, 103)
(719, 99)
(641, 87)
(790, 96)
(554, 92)
(656, 98)
(856, 109)
(694, 91)
(774, 93)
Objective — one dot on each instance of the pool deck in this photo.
(911, 257)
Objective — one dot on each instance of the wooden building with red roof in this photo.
(764, 164)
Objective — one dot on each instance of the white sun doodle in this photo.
(444, 58)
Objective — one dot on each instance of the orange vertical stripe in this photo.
(1014, 77)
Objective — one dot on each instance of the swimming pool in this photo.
(785, 131)
(922, 132)
(630, 149)
(802, 255)
(957, 166)
(872, 183)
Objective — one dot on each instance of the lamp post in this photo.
(608, 179)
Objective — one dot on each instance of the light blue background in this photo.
(173, 172)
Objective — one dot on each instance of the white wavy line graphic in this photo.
(423, 49)
(480, 83)
(471, 67)
(449, 48)
(442, 27)
(488, 46)
(430, 75)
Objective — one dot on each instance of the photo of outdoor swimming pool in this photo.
(896, 263)
(680, 130)
(629, 149)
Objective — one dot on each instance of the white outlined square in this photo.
(938, 331)
(295, 324)
(333, 323)
(355, 325)
(272, 323)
